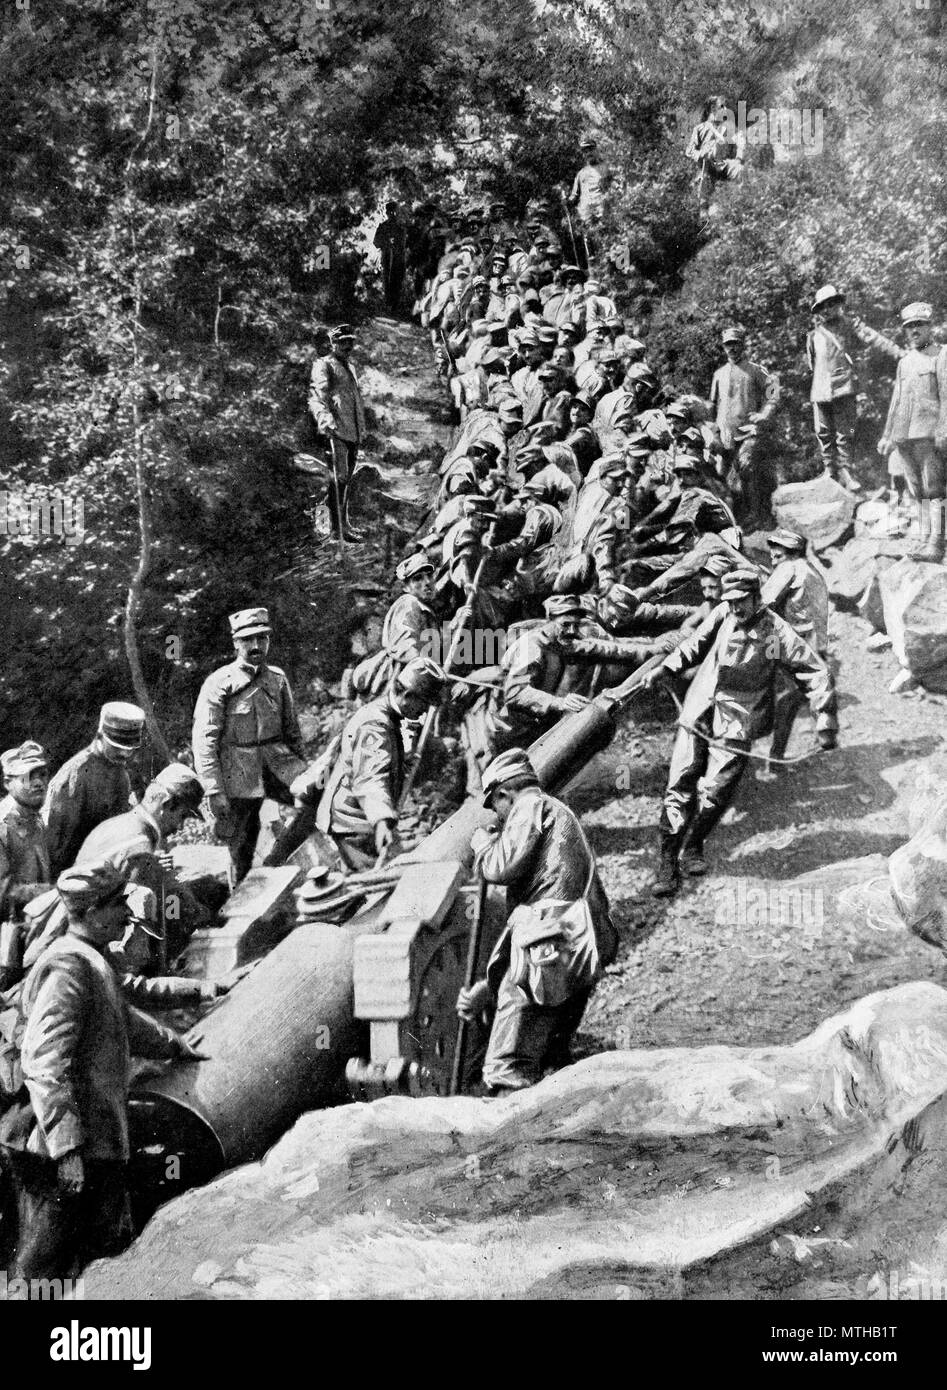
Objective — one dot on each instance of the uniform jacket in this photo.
(677, 522)
(531, 669)
(733, 687)
(918, 408)
(79, 1035)
(335, 399)
(797, 591)
(587, 191)
(739, 390)
(529, 390)
(540, 853)
(609, 408)
(829, 355)
(84, 792)
(24, 857)
(402, 639)
(245, 721)
(604, 537)
(365, 783)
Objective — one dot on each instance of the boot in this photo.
(934, 540)
(349, 532)
(847, 479)
(667, 880)
(692, 851)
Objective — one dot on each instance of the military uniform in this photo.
(405, 634)
(797, 592)
(91, 786)
(24, 858)
(730, 699)
(544, 861)
(247, 745)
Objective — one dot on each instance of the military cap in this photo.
(250, 622)
(612, 463)
(684, 463)
(740, 583)
(121, 723)
(634, 345)
(622, 597)
(717, 564)
(593, 285)
(572, 272)
(920, 312)
(614, 321)
(733, 335)
(342, 333)
(639, 445)
(583, 398)
(477, 505)
(693, 441)
(571, 327)
(423, 677)
(416, 564)
(608, 357)
(549, 371)
(677, 411)
(510, 766)
(546, 335)
(563, 605)
(527, 338)
(828, 294)
(786, 539)
(181, 783)
(639, 371)
(91, 885)
(484, 446)
(17, 762)
(510, 410)
(492, 358)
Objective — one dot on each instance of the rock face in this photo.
(820, 508)
(914, 596)
(625, 1167)
(853, 573)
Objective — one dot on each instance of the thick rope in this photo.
(757, 757)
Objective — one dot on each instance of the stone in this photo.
(914, 597)
(625, 1167)
(820, 508)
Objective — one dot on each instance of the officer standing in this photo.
(66, 1149)
(246, 738)
(834, 385)
(391, 241)
(24, 853)
(559, 935)
(359, 807)
(738, 650)
(743, 393)
(915, 431)
(94, 784)
(335, 403)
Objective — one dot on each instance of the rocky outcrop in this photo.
(914, 597)
(628, 1165)
(820, 508)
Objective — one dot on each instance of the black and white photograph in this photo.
(473, 716)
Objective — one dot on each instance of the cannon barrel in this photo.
(278, 1044)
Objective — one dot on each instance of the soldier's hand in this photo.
(649, 679)
(473, 1001)
(219, 806)
(384, 835)
(884, 446)
(70, 1173)
(480, 839)
(573, 703)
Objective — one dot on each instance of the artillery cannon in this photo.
(371, 998)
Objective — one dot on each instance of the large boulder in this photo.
(626, 1167)
(852, 572)
(914, 597)
(820, 508)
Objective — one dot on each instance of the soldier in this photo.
(559, 935)
(24, 853)
(739, 648)
(674, 526)
(391, 241)
(246, 738)
(335, 403)
(609, 526)
(743, 393)
(359, 806)
(66, 1148)
(915, 432)
(93, 785)
(796, 590)
(408, 627)
(718, 150)
(582, 439)
(588, 187)
(834, 385)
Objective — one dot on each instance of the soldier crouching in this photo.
(559, 935)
